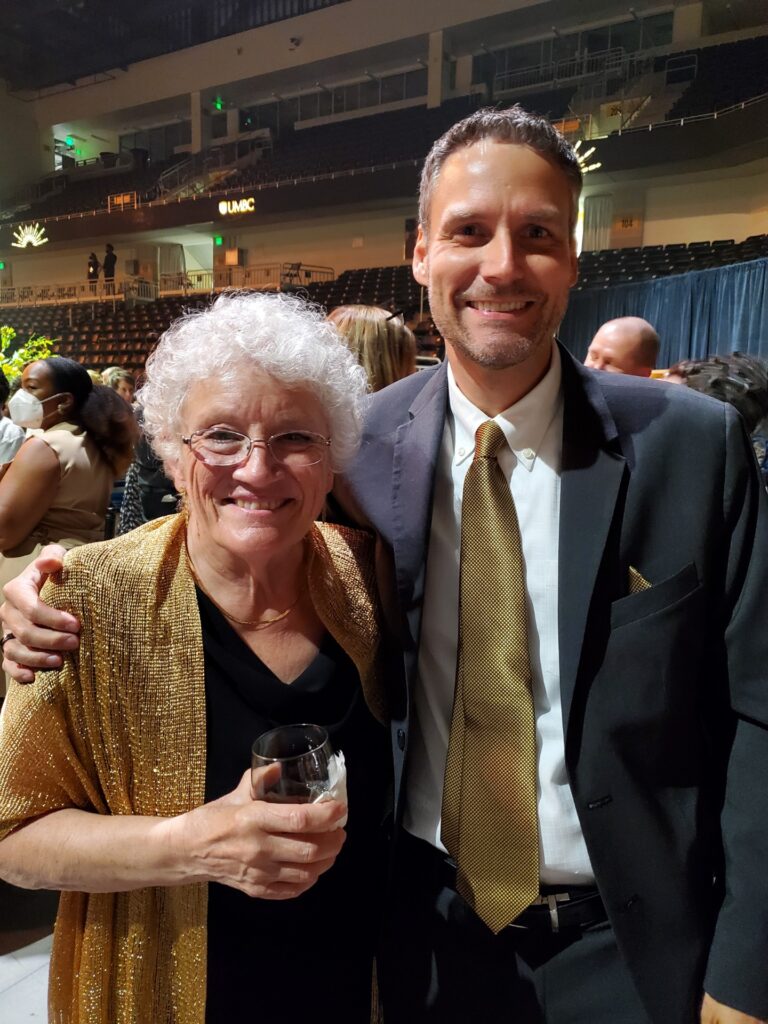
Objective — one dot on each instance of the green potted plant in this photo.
(13, 362)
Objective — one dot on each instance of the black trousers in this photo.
(440, 964)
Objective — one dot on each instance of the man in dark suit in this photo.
(643, 531)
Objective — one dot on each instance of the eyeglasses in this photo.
(295, 449)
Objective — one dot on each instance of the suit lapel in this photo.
(592, 472)
(414, 461)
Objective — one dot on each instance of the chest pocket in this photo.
(656, 598)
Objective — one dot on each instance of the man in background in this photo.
(628, 345)
(110, 259)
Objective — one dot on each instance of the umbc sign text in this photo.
(227, 206)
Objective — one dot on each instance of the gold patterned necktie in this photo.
(489, 815)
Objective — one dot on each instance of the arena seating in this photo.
(105, 333)
(391, 287)
(82, 196)
(390, 137)
(726, 74)
(100, 334)
(605, 267)
(378, 139)
(395, 288)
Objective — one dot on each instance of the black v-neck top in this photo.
(286, 961)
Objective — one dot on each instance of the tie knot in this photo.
(489, 440)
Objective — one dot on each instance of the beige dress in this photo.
(76, 514)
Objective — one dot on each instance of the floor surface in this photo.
(26, 920)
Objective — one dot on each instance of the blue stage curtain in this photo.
(705, 312)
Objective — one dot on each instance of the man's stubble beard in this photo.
(508, 350)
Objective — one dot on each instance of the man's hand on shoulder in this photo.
(33, 632)
(713, 1012)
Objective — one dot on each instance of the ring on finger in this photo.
(6, 638)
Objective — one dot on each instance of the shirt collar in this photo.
(524, 424)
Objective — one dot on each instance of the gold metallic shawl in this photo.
(120, 729)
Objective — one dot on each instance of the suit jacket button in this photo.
(401, 739)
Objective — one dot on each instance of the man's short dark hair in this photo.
(514, 125)
(5, 388)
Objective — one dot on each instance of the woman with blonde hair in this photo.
(379, 340)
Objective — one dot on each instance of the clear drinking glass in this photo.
(303, 752)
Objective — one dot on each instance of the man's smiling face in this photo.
(498, 255)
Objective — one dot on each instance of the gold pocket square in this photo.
(637, 582)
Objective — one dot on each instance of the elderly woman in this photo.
(122, 773)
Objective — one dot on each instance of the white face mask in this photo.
(26, 410)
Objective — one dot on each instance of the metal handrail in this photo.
(79, 292)
(296, 274)
(696, 118)
(261, 276)
(567, 69)
(68, 291)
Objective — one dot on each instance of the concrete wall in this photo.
(342, 239)
(731, 202)
(23, 157)
(733, 205)
(63, 265)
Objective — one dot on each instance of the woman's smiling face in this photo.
(260, 508)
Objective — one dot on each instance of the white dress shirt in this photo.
(533, 428)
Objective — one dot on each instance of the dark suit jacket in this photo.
(664, 691)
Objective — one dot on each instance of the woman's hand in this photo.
(270, 851)
(273, 851)
(37, 630)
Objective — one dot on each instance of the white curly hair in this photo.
(277, 334)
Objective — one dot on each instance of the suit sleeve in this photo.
(736, 972)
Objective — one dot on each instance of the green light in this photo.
(69, 141)
(2, 264)
(218, 240)
(78, 152)
(218, 103)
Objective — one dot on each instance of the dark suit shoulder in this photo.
(637, 403)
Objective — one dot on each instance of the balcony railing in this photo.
(261, 277)
(126, 289)
(570, 69)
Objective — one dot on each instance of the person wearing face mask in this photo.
(79, 439)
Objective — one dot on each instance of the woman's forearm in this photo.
(272, 851)
(78, 850)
